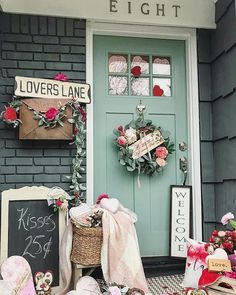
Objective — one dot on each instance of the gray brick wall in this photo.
(37, 47)
(217, 81)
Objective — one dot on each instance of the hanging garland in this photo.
(143, 147)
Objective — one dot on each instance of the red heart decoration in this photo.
(136, 71)
(208, 278)
(157, 91)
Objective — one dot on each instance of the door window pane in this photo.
(140, 61)
(140, 86)
(161, 65)
(161, 87)
(118, 85)
(118, 63)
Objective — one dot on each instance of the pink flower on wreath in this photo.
(121, 130)
(121, 140)
(161, 152)
(61, 77)
(64, 205)
(51, 114)
(10, 114)
(226, 218)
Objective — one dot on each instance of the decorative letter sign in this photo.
(45, 88)
(180, 219)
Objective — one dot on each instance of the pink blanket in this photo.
(120, 257)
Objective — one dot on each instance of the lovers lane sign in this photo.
(45, 88)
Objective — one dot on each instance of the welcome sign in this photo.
(181, 13)
(46, 88)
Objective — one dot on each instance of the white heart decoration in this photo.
(86, 286)
(16, 274)
(111, 205)
(219, 253)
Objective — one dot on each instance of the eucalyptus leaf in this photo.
(130, 168)
(70, 120)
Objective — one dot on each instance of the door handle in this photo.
(183, 146)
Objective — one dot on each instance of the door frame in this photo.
(142, 31)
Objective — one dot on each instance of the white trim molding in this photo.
(189, 35)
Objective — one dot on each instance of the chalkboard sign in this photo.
(32, 230)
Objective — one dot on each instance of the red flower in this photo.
(102, 196)
(61, 77)
(157, 91)
(121, 140)
(228, 246)
(59, 203)
(211, 240)
(83, 113)
(233, 235)
(10, 114)
(136, 71)
(51, 114)
(215, 233)
(121, 130)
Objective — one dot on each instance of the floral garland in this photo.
(10, 114)
(79, 120)
(132, 136)
(52, 118)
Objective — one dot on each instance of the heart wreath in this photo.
(142, 146)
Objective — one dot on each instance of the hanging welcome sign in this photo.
(46, 88)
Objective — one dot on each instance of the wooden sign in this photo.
(218, 265)
(146, 144)
(180, 219)
(29, 228)
(45, 88)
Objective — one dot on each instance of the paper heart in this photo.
(43, 281)
(218, 254)
(86, 286)
(208, 278)
(136, 71)
(157, 91)
(111, 205)
(16, 273)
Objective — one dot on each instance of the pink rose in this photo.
(58, 203)
(51, 114)
(114, 290)
(61, 77)
(161, 162)
(121, 140)
(161, 152)
(64, 205)
(226, 218)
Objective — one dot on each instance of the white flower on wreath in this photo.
(161, 162)
(130, 135)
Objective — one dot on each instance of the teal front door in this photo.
(162, 89)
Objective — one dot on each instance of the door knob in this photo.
(183, 146)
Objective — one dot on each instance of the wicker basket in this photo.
(87, 243)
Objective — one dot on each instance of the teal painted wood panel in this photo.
(151, 201)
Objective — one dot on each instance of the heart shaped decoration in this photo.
(219, 253)
(207, 278)
(111, 205)
(17, 276)
(157, 91)
(86, 286)
(43, 282)
(136, 71)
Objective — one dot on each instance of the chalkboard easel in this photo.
(31, 229)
